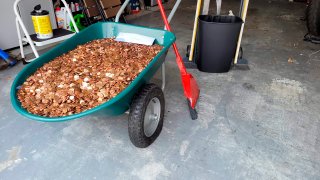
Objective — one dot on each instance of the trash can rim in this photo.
(225, 23)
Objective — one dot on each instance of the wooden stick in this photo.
(243, 16)
(195, 28)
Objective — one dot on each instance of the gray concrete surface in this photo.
(256, 124)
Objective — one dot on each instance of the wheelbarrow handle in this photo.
(173, 11)
(126, 2)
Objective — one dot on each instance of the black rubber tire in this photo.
(136, 116)
(313, 17)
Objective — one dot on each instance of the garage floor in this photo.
(258, 124)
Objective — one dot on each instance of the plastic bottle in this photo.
(72, 7)
(59, 17)
(76, 7)
(66, 18)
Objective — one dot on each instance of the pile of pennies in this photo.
(85, 77)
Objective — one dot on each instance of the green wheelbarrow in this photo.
(145, 100)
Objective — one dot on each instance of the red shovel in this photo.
(190, 86)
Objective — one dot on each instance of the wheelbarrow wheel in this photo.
(146, 116)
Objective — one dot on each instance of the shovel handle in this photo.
(175, 48)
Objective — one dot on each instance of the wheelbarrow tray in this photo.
(117, 105)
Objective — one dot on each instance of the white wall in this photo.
(8, 33)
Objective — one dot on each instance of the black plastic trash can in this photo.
(217, 42)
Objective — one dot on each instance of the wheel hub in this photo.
(152, 117)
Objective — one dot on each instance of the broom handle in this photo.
(195, 29)
(244, 8)
(178, 56)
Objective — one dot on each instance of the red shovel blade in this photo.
(191, 89)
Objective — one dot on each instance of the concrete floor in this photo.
(258, 124)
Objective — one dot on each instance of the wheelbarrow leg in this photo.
(163, 73)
